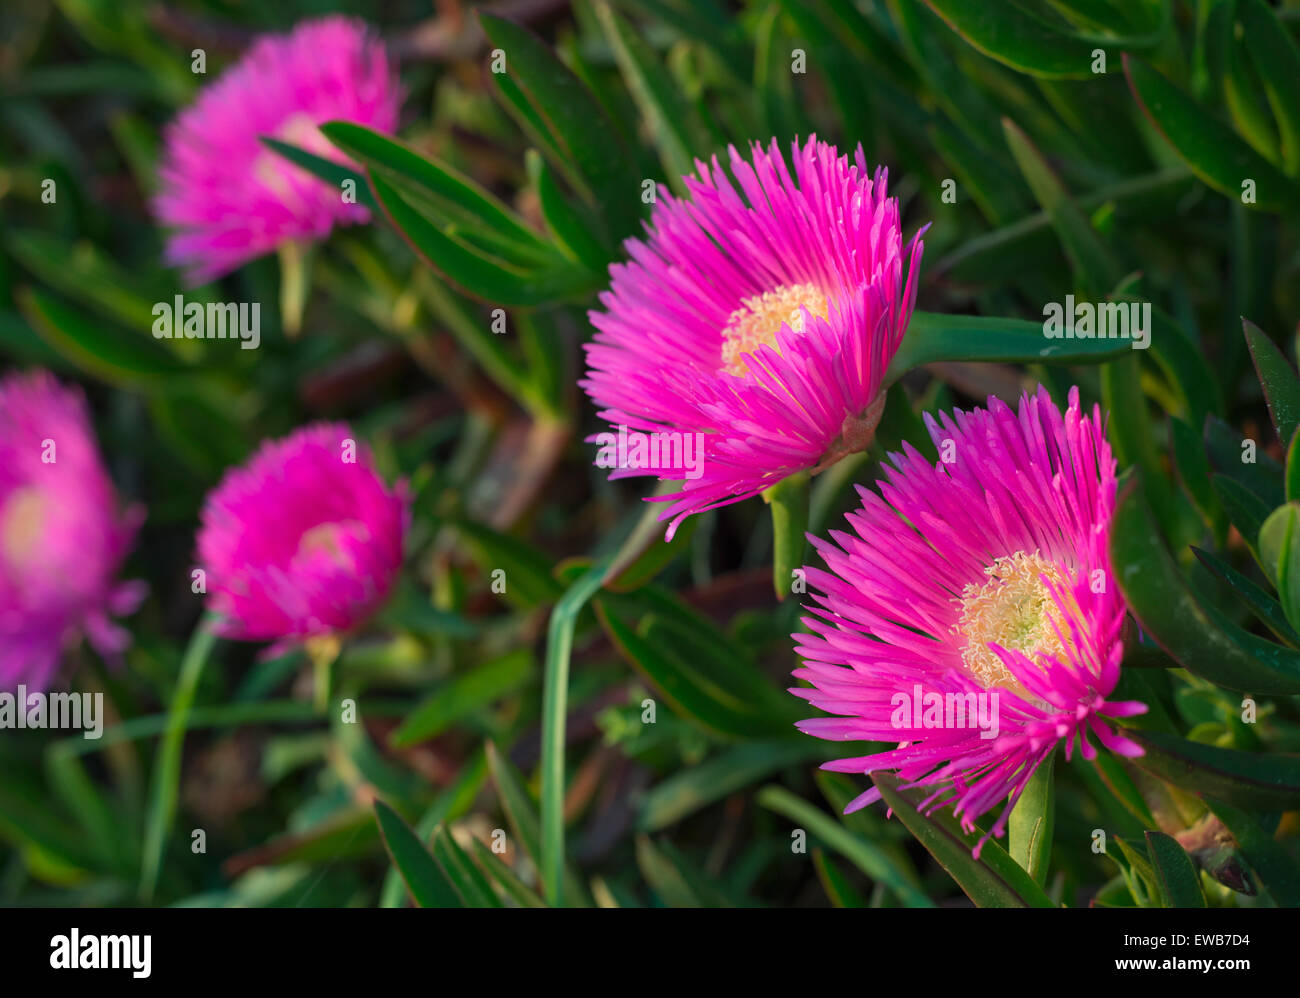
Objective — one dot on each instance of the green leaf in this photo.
(1252, 781)
(732, 769)
(992, 881)
(96, 348)
(673, 122)
(464, 695)
(1018, 39)
(1261, 604)
(1292, 480)
(467, 207)
(1094, 269)
(489, 280)
(1278, 379)
(1214, 152)
(334, 174)
(1030, 826)
(1193, 468)
(164, 790)
(427, 883)
(1279, 552)
(568, 225)
(1246, 511)
(1180, 884)
(505, 878)
(839, 891)
(864, 854)
(466, 879)
(697, 688)
(932, 338)
(569, 123)
(677, 885)
(1198, 637)
(1277, 61)
(528, 578)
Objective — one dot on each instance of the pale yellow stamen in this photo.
(759, 319)
(324, 537)
(1016, 610)
(21, 520)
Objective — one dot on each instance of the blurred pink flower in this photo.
(983, 579)
(303, 541)
(762, 320)
(63, 537)
(228, 198)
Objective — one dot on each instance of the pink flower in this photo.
(762, 322)
(226, 196)
(62, 535)
(305, 540)
(986, 575)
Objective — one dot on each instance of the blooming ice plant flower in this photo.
(228, 198)
(984, 577)
(762, 319)
(63, 536)
(304, 541)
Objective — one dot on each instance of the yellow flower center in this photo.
(760, 318)
(324, 537)
(1016, 610)
(21, 520)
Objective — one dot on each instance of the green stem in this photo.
(555, 700)
(167, 770)
(295, 271)
(789, 501)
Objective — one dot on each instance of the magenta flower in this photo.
(304, 541)
(62, 535)
(756, 328)
(972, 619)
(228, 198)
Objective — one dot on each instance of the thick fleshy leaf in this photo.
(427, 883)
(1278, 378)
(1215, 153)
(1197, 636)
(1277, 62)
(1017, 38)
(574, 129)
(467, 208)
(1030, 827)
(334, 174)
(480, 276)
(1252, 781)
(730, 770)
(994, 880)
(466, 879)
(463, 695)
(673, 122)
(863, 853)
(1261, 604)
(1179, 883)
(932, 338)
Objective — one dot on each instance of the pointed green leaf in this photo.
(992, 881)
(1180, 884)
(1215, 153)
(1252, 781)
(1197, 636)
(1017, 38)
(427, 883)
(1278, 378)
